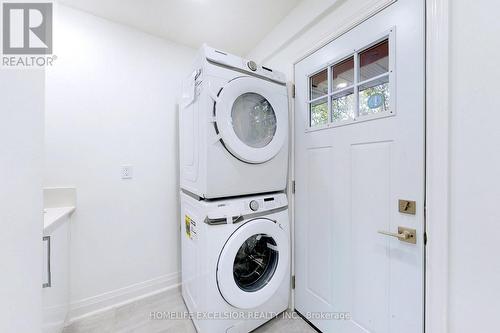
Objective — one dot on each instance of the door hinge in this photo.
(425, 238)
(293, 281)
(293, 90)
(293, 186)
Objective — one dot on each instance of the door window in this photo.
(319, 112)
(374, 61)
(253, 120)
(343, 74)
(319, 84)
(355, 88)
(255, 262)
(374, 96)
(374, 75)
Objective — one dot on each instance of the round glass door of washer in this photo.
(253, 263)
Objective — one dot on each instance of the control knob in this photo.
(254, 205)
(252, 65)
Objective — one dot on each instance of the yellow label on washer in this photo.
(187, 221)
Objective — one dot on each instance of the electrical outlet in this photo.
(126, 172)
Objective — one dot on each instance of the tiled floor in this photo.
(135, 317)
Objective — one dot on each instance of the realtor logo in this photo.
(27, 28)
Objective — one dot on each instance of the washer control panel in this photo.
(265, 203)
(231, 210)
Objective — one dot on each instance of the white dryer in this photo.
(233, 126)
(235, 261)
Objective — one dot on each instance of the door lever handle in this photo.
(404, 234)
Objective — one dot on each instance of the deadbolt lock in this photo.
(407, 207)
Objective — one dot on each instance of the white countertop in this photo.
(52, 216)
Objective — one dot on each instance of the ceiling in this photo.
(235, 26)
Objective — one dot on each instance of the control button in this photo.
(252, 65)
(254, 205)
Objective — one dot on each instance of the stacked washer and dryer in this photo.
(235, 236)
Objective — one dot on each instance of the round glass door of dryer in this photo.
(251, 115)
(254, 120)
(253, 263)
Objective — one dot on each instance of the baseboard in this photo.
(103, 302)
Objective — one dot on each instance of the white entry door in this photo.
(359, 172)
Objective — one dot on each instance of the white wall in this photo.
(111, 101)
(474, 269)
(21, 221)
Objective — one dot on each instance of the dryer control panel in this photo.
(241, 64)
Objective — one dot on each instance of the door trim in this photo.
(437, 165)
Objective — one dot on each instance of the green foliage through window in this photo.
(319, 113)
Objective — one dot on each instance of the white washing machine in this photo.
(233, 126)
(235, 261)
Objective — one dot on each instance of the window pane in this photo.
(319, 84)
(374, 97)
(319, 112)
(343, 74)
(343, 106)
(374, 61)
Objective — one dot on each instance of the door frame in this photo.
(437, 116)
(437, 165)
